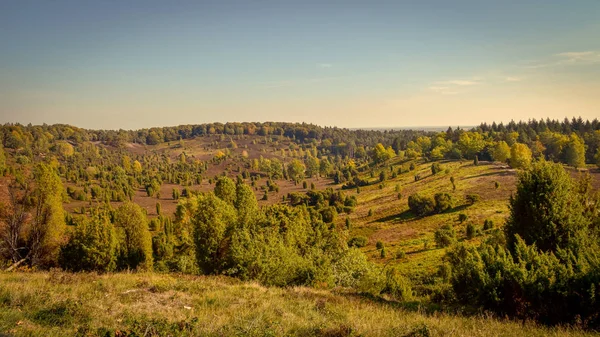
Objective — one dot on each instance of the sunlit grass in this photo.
(62, 304)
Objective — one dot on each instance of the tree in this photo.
(92, 245)
(470, 143)
(435, 168)
(520, 156)
(211, 221)
(137, 167)
(135, 239)
(64, 149)
(245, 203)
(574, 152)
(46, 233)
(443, 202)
(312, 166)
(444, 236)
(380, 154)
(32, 222)
(225, 189)
(126, 163)
(295, 170)
(2, 160)
(545, 210)
(501, 152)
(421, 205)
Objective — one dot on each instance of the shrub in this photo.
(400, 254)
(421, 205)
(435, 168)
(488, 224)
(329, 214)
(443, 202)
(462, 217)
(472, 198)
(445, 236)
(546, 208)
(358, 242)
(91, 246)
(397, 286)
(470, 231)
(379, 245)
(370, 212)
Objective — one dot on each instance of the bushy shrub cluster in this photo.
(548, 268)
(424, 205)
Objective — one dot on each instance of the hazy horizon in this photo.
(140, 64)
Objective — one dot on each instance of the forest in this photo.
(500, 220)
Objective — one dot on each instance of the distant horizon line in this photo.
(372, 128)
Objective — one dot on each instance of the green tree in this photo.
(501, 152)
(546, 209)
(574, 151)
(520, 156)
(380, 154)
(312, 166)
(212, 220)
(444, 236)
(296, 170)
(2, 160)
(32, 221)
(470, 144)
(226, 190)
(421, 205)
(135, 239)
(245, 203)
(92, 245)
(48, 223)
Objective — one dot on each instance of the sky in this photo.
(136, 64)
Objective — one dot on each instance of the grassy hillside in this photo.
(65, 304)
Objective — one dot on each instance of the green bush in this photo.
(91, 246)
(551, 274)
(445, 236)
(436, 168)
(471, 198)
(443, 202)
(421, 205)
(488, 224)
(358, 242)
(470, 231)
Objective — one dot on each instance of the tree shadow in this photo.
(395, 218)
(412, 306)
(457, 208)
(500, 174)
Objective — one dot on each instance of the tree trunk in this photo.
(15, 265)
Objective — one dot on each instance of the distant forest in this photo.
(574, 142)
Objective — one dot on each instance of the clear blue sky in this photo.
(132, 64)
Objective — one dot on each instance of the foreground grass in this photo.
(64, 304)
